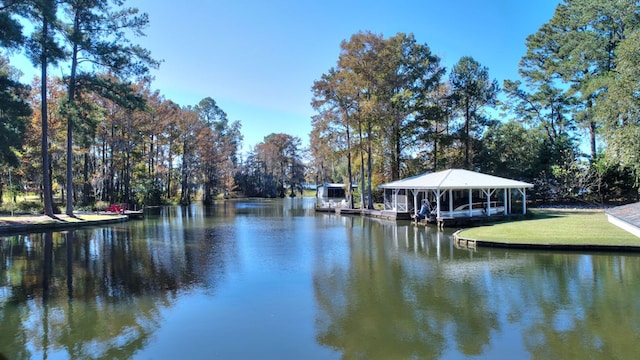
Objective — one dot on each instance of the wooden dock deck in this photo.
(444, 221)
(131, 214)
(441, 222)
(380, 214)
(134, 214)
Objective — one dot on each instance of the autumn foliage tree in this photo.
(98, 32)
(370, 99)
(274, 168)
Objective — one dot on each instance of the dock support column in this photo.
(504, 203)
(438, 203)
(470, 204)
(395, 199)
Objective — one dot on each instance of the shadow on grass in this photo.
(552, 213)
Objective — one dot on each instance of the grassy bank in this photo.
(61, 218)
(556, 227)
(34, 223)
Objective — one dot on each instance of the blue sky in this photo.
(258, 59)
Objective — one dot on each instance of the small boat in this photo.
(477, 209)
(134, 214)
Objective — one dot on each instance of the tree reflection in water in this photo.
(268, 278)
(379, 305)
(400, 293)
(96, 293)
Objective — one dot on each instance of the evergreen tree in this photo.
(44, 51)
(14, 113)
(98, 33)
(472, 90)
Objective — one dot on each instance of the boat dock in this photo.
(134, 214)
(445, 221)
(380, 214)
(131, 214)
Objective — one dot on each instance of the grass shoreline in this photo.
(555, 227)
(29, 223)
(545, 228)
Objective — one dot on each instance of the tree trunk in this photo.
(127, 178)
(112, 169)
(71, 99)
(592, 135)
(46, 165)
(435, 150)
(349, 175)
(467, 121)
(86, 190)
(397, 148)
(369, 166)
(362, 187)
(170, 161)
(185, 196)
(104, 168)
(151, 157)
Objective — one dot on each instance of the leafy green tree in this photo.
(189, 129)
(335, 100)
(219, 151)
(622, 113)
(361, 69)
(546, 109)
(546, 106)
(368, 102)
(543, 102)
(110, 140)
(97, 33)
(156, 124)
(584, 36)
(433, 130)
(610, 182)
(323, 157)
(44, 50)
(254, 179)
(11, 35)
(170, 144)
(472, 91)
(571, 72)
(215, 119)
(511, 150)
(410, 73)
(281, 153)
(14, 111)
(100, 92)
(273, 167)
(32, 161)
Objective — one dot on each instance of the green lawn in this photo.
(556, 228)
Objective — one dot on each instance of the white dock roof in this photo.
(455, 179)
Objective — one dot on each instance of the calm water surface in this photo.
(273, 280)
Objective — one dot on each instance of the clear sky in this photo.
(259, 58)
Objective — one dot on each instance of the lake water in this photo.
(273, 280)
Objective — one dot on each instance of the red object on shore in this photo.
(115, 208)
